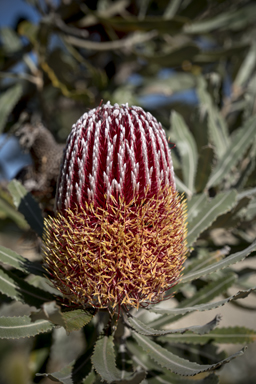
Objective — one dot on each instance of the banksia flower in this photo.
(118, 237)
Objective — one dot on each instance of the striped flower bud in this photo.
(118, 237)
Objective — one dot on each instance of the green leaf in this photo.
(7, 210)
(16, 327)
(187, 149)
(7, 101)
(236, 19)
(179, 311)
(208, 259)
(79, 371)
(166, 377)
(220, 204)
(49, 311)
(246, 69)
(210, 56)
(145, 330)
(246, 193)
(90, 378)
(218, 130)
(10, 40)
(18, 289)
(173, 57)
(204, 168)
(195, 205)
(175, 363)
(174, 379)
(77, 319)
(232, 259)
(63, 376)
(168, 86)
(231, 218)
(147, 24)
(11, 258)
(27, 205)
(240, 143)
(191, 304)
(70, 320)
(181, 187)
(230, 335)
(103, 360)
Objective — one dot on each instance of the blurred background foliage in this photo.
(194, 58)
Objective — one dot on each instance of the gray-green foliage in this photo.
(214, 163)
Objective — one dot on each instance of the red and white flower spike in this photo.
(119, 233)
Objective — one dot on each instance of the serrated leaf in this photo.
(220, 204)
(169, 378)
(217, 127)
(11, 258)
(238, 146)
(145, 330)
(187, 149)
(231, 218)
(232, 259)
(191, 304)
(176, 312)
(208, 259)
(27, 205)
(103, 360)
(7, 101)
(174, 363)
(141, 358)
(75, 320)
(18, 289)
(16, 327)
(229, 335)
(90, 378)
(195, 204)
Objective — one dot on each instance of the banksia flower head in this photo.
(118, 237)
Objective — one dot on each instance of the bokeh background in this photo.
(59, 58)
